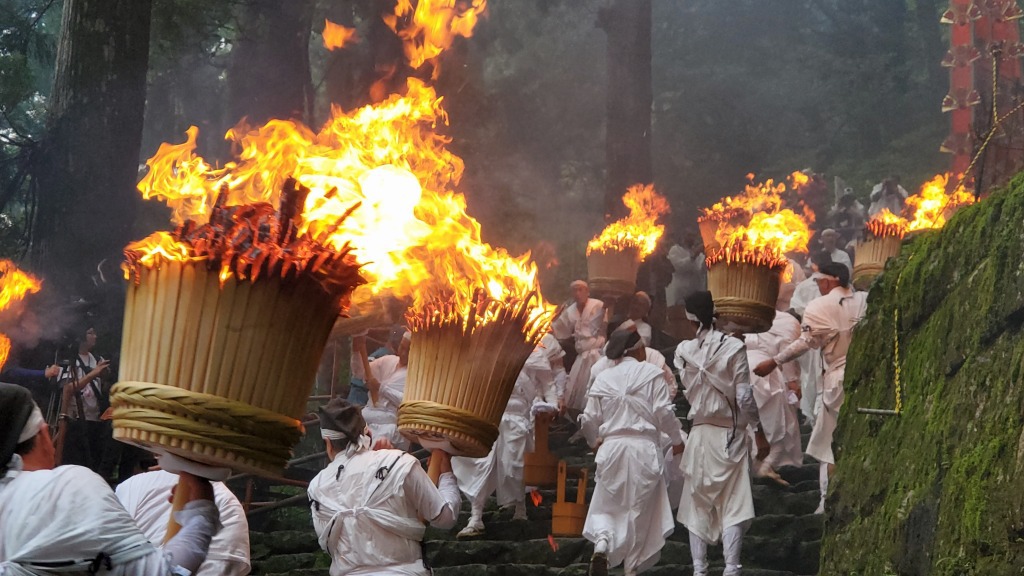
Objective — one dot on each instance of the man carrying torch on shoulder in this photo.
(369, 506)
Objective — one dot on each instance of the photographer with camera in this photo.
(85, 400)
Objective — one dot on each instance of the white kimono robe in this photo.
(587, 328)
(144, 496)
(502, 469)
(367, 507)
(382, 416)
(828, 325)
(777, 414)
(811, 369)
(628, 410)
(716, 378)
(67, 516)
(653, 357)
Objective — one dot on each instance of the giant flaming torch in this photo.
(614, 256)
(228, 315)
(884, 233)
(746, 258)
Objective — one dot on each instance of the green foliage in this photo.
(935, 490)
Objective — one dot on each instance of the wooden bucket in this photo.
(745, 295)
(871, 255)
(458, 384)
(612, 273)
(540, 467)
(568, 518)
(219, 374)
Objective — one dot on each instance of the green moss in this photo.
(935, 490)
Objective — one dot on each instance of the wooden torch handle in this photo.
(181, 497)
(434, 469)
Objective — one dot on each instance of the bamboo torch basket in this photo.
(745, 295)
(219, 374)
(613, 272)
(462, 369)
(871, 254)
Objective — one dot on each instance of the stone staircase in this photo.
(783, 540)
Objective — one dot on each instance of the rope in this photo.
(414, 416)
(205, 407)
(217, 427)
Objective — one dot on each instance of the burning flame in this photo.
(639, 229)
(932, 205)
(431, 27)
(756, 197)
(754, 227)
(927, 209)
(14, 286)
(536, 497)
(763, 241)
(380, 180)
(885, 223)
(553, 543)
(337, 36)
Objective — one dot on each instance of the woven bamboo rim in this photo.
(203, 427)
(430, 423)
(745, 295)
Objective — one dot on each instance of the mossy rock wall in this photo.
(939, 489)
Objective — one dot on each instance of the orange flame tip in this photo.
(432, 26)
(15, 285)
(639, 229)
(337, 36)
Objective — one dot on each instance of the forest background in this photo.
(848, 88)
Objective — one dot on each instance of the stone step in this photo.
(581, 570)
(764, 552)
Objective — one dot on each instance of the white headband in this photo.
(691, 317)
(35, 422)
(331, 435)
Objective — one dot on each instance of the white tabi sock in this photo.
(601, 546)
(823, 486)
(732, 543)
(699, 553)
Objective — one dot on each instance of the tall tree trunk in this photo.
(928, 13)
(628, 141)
(269, 75)
(88, 163)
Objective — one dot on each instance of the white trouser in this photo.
(732, 543)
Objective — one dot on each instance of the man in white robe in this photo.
(829, 242)
(828, 324)
(144, 496)
(627, 411)
(717, 502)
(67, 520)
(584, 320)
(811, 369)
(386, 385)
(501, 470)
(369, 506)
(639, 308)
(653, 357)
(776, 396)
